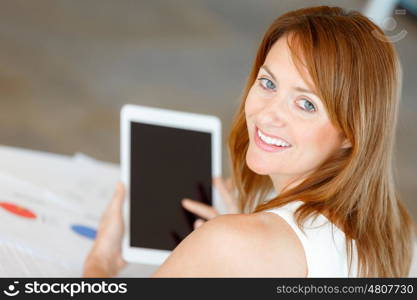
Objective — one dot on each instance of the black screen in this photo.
(167, 165)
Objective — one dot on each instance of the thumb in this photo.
(119, 193)
(119, 197)
(115, 206)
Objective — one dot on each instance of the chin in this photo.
(257, 165)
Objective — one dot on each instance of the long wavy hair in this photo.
(357, 74)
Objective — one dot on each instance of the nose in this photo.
(274, 113)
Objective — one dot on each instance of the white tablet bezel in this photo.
(169, 118)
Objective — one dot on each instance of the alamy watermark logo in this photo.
(11, 289)
(70, 289)
(389, 25)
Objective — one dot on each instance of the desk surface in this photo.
(50, 206)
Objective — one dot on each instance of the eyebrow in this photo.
(299, 89)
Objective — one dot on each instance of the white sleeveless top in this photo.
(325, 251)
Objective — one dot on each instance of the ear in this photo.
(346, 144)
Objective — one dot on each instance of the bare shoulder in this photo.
(238, 245)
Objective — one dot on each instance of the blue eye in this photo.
(308, 106)
(267, 84)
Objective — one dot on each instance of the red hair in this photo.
(357, 75)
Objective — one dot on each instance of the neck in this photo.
(283, 183)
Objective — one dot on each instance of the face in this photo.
(296, 135)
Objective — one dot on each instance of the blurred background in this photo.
(67, 67)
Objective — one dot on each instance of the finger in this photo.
(118, 197)
(115, 205)
(203, 210)
(111, 222)
(227, 197)
(198, 223)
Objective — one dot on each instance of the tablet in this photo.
(166, 156)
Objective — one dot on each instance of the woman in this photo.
(317, 125)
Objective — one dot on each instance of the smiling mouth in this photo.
(272, 140)
(268, 143)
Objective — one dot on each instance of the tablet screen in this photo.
(167, 165)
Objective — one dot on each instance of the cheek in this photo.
(252, 103)
(321, 139)
(249, 106)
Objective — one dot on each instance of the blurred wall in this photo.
(66, 68)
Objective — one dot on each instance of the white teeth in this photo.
(272, 141)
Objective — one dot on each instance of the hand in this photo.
(105, 259)
(208, 212)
